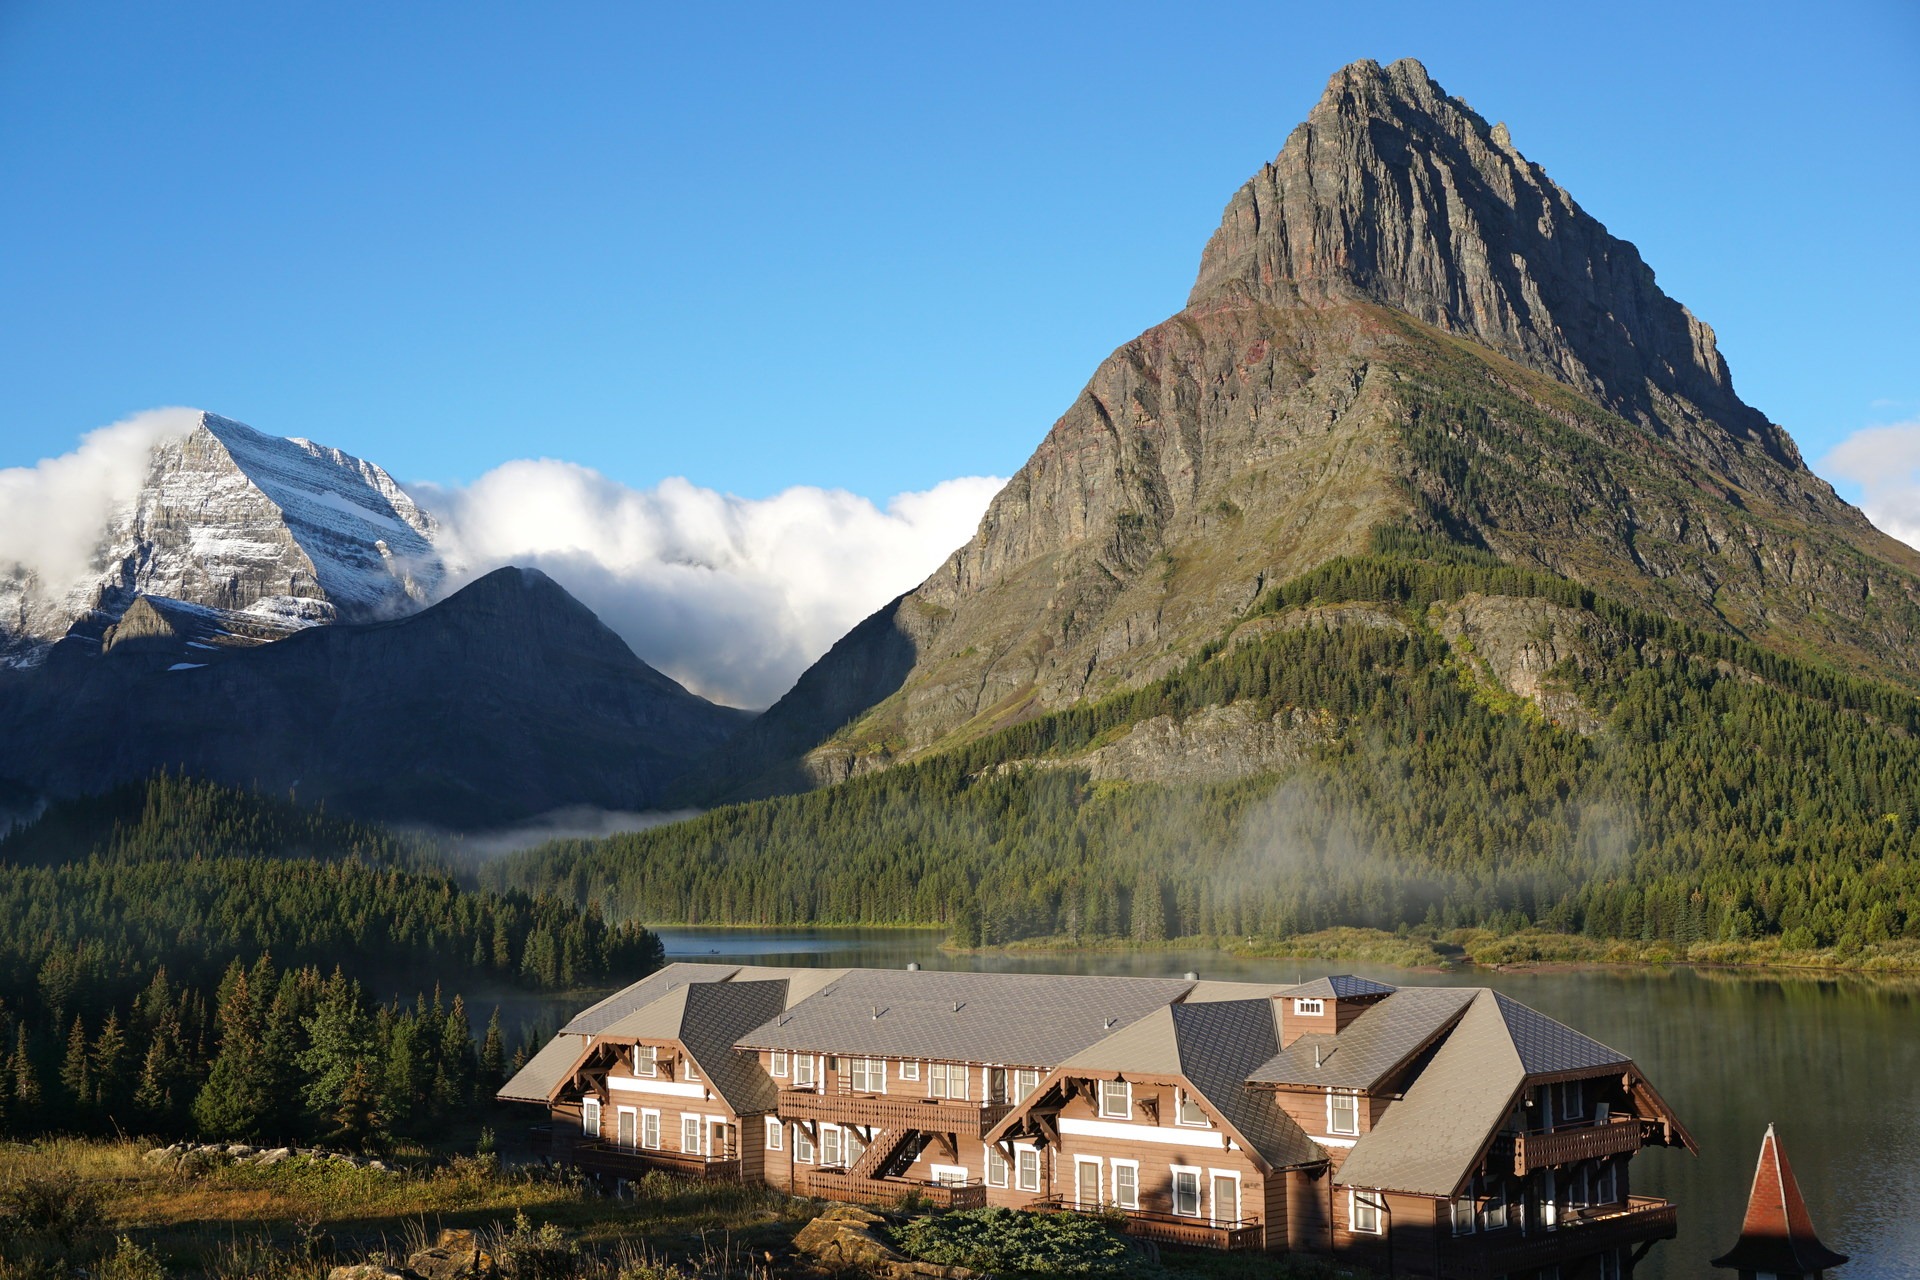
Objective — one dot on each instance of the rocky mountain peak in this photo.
(1394, 191)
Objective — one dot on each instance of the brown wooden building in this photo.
(1425, 1131)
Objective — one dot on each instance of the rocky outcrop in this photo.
(1213, 745)
(846, 1239)
(1517, 643)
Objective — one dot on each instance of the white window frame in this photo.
(698, 1130)
(806, 1071)
(1181, 1100)
(646, 1061)
(1213, 1201)
(1024, 1083)
(944, 1078)
(1118, 1185)
(687, 1069)
(802, 1145)
(1464, 1206)
(949, 1175)
(1099, 1181)
(1025, 1158)
(649, 1129)
(619, 1114)
(999, 1172)
(868, 1075)
(1125, 1111)
(1331, 1126)
(590, 1117)
(833, 1147)
(1199, 1190)
(777, 1068)
(1309, 1008)
(1371, 1201)
(774, 1128)
(910, 1070)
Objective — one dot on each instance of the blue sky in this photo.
(873, 247)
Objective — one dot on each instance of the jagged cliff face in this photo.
(1400, 319)
(260, 534)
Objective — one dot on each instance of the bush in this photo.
(129, 1261)
(1014, 1242)
(49, 1207)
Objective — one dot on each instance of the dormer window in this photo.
(1309, 1008)
(1343, 1113)
(646, 1060)
(1116, 1100)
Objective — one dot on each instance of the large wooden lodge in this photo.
(1421, 1131)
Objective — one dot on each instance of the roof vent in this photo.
(1191, 976)
(1110, 1022)
(913, 966)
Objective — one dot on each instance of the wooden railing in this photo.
(930, 1115)
(1544, 1149)
(1169, 1228)
(838, 1184)
(596, 1155)
(1579, 1235)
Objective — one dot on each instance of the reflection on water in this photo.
(1835, 1062)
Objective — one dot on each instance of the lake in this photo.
(1833, 1061)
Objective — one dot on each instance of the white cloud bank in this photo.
(53, 513)
(733, 597)
(1885, 463)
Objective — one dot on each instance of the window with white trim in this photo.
(803, 1070)
(774, 1128)
(623, 1120)
(947, 1080)
(690, 1134)
(802, 1145)
(869, 1075)
(1463, 1216)
(1026, 1168)
(832, 1154)
(1186, 1191)
(996, 1168)
(1126, 1184)
(996, 1085)
(590, 1117)
(910, 1071)
(1026, 1083)
(1309, 1008)
(1116, 1100)
(1366, 1212)
(1343, 1113)
(650, 1130)
(778, 1067)
(646, 1060)
(687, 1071)
(1187, 1111)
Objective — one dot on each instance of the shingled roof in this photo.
(1373, 1046)
(1012, 1019)
(535, 1081)
(1777, 1235)
(1337, 986)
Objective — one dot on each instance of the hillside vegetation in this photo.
(1728, 793)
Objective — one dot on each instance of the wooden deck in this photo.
(1638, 1221)
(929, 1115)
(1167, 1228)
(838, 1184)
(1621, 1135)
(611, 1159)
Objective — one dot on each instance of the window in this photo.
(802, 1146)
(1187, 1111)
(909, 1071)
(996, 1084)
(779, 1066)
(1226, 1198)
(1365, 1212)
(949, 1175)
(1116, 1099)
(623, 1120)
(854, 1148)
(869, 1075)
(1606, 1184)
(1309, 1008)
(1343, 1113)
(1126, 1183)
(646, 1060)
(1026, 1168)
(650, 1130)
(996, 1168)
(1610, 1267)
(686, 1068)
(1569, 1101)
(1493, 1211)
(590, 1117)
(803, 1064)
(1463, 1216)
(773, 1133)
(1025, 1085)
(690, 1134)
(947, 1080)
(1186, 1192)
(831, 1153)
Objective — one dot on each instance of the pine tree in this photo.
(355, 1115)
(76, 1075)
(493, 1058)
(112, 1060)
(341, 1044)
(166, 1078)
(28, 1096)
(454, 1065)
(233, 1103)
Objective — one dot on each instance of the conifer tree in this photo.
(112, 1061)
(76, 1075)
(233, 1103)
(493, 1059)
(28, 1096)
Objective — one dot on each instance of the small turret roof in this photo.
(1777, 1235)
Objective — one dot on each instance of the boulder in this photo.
(370, 1271)
(456, 1255)
(273, 1157)
(839, 1242)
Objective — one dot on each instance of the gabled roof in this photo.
(1011, 1019)
(1373, 1046)
(1777, 1235)
(1431, 1140)
(552, 1064)
(1547, 1047)
(717, 1014)
(596, 1017)
(1338, 986)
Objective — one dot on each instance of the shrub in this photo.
(1014, 1242)
(49, 1207)
(129, 1261)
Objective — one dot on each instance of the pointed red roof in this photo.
(1778, 1233)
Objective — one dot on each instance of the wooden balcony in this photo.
(1619, 1136)
(611, 1159)
(838, 1184)
(928, 1115)
(1168, 1228)
(1580, 1235)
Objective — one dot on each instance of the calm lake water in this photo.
(1834, 1062)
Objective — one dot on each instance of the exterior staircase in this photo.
(888, 1155)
